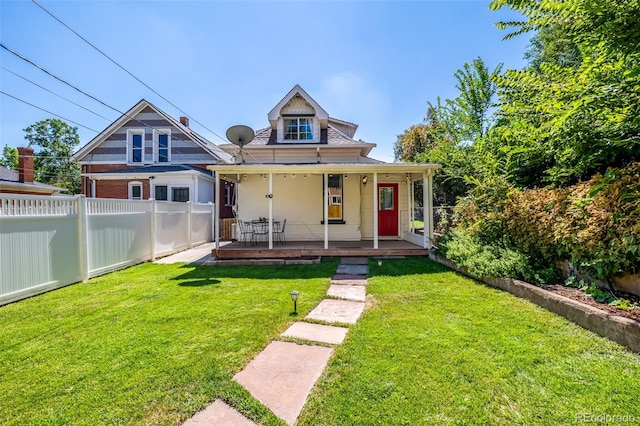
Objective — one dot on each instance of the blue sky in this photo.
(374, 63)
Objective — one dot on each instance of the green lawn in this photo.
(156, 343)
(437, 348)
(152, 344)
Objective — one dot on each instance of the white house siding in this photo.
(205, 191)
(283, 155)
(299, 200)
(367, 204)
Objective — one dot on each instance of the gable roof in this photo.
(322, 115)
(10, 180)
(199, 140)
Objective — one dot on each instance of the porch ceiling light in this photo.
(364, 180)
(294, 296)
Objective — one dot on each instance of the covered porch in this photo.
(330, 209)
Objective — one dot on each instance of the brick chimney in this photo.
(184, 121)
(25, 165)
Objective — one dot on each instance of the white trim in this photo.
(130, 134)
(130, 191)
(156, 145)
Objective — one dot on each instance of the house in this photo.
(21, 181)
(307, 167)
(148, 154)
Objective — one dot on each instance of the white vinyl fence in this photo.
(49, 242)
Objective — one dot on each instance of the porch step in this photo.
(354, 261)
(352, 270)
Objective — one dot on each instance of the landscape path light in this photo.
(294, 296)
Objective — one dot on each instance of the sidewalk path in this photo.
(283, 374)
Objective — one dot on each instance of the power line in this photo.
(48, 112)
(123, 68)
(54, 93)
(60, 79)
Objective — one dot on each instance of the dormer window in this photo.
(298, 129)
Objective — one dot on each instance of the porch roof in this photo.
(345, 168)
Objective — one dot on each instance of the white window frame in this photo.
(131, 185)
(312, 122)
(130, 133)
(156, 145)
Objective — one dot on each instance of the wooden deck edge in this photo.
(314, 252)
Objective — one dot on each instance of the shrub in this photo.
(466, 250)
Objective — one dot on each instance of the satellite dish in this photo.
(240, 135)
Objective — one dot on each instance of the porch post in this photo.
(216, 215)
(409, 214)
(412, 215)
(270, 211)
(425, 210)
(430, 194)
(375, 210)
(326, 211)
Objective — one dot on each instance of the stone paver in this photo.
(344, 311)
(283, 374)
(353, 269)
(354, 261)
(341, 279)
(218, 413)
(317, 332)
(348, 292)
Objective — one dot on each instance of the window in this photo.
(385, 198)
(161, 193)
(228, 191)
(335, 198)
(162, 143)
(135, 190)
(180, 194)
(135, 146)
(298, 129)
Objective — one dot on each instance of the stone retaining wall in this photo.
(619, 329)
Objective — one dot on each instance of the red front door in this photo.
(388, 209)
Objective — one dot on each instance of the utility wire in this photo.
(48, 112)
(54, 93)
(86, 94)
(123, 68)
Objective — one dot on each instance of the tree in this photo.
(566, 123)
(9, 158)
(54, 142)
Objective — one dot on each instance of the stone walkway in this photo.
(283, 374)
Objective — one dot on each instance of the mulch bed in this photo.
(575, 294)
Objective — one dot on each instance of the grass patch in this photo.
(152, 344)
(438, 348)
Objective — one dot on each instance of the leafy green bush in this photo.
(594, 224)
(466, 250)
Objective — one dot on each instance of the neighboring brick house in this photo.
(148, 154)
(21, 181)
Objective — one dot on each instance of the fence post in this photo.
(83, 236)
(152, 224)
(213, 219)
(189, 212)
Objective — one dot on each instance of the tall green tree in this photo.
(565, 123)
(54, 141)
(9, 158)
